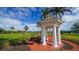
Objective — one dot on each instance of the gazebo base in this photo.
(44, 44)
(55, 46)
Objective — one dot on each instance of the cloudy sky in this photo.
(18, 17)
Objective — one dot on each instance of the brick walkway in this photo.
(40, 47)
(75, 46)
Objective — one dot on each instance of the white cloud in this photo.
(33, 27)
(69, 20)
(8, 22)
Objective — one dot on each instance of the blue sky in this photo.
(18, 17)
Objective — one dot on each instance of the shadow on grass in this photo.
(66, 47)
(17, 48)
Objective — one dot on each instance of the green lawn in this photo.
(73, 37)
(14, 38)
(28, 35)
(19, 36)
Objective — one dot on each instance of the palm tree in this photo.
(45, 12)
(58, 12)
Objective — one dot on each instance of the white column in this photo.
(43, 36)
(59, 35)
(54, 37)
(47, 34)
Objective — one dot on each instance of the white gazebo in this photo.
(54, 24)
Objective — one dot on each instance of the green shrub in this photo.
(4, 43)
(13, 42)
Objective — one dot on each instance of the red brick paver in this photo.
(40, 47)
(49, 47)
(75, 46)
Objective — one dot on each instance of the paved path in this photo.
(75, 46)
(40, 47)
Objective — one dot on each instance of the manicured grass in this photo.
(15, 38)
(28, 35)
(73, 37)
(19, 36)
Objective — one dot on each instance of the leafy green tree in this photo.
(2, 30)
(12, 29)
(26, 28)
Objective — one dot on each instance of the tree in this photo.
(26, 28)
(45, 12)
(12, 29)
(2, 30)
(58, 12)
(75, 27)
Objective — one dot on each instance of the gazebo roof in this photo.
(50, 22)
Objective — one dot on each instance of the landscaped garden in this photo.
(18, 33)
(12, 39)
(15, 39)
